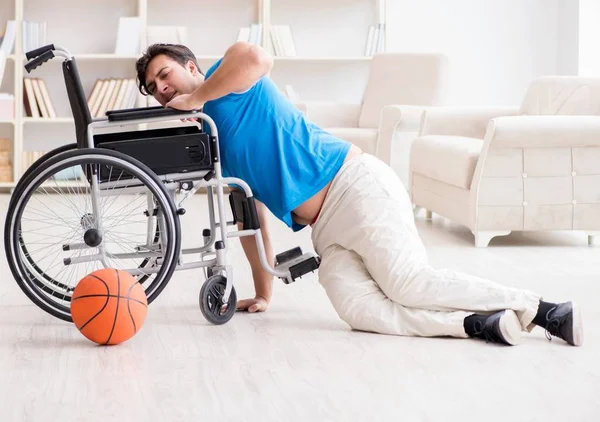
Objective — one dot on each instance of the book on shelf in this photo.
(5, 160)
(8, 37)
(36, 99)
(5, 144)
(251, 34)
(2, 65)
(282, 41)
(6, 173)
(7, 43)
(112, 94)
(30, 157)
(33, 35)
(375, 39)
(128, 36)
(69, 174)
(166, 34)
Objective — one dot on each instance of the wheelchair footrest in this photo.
(296, 263)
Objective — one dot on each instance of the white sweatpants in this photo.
(374, 265)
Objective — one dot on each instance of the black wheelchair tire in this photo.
(207, 303)
(24, 179)
(11, 239)
(18, 191)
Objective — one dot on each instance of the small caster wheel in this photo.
(209, 272)
(211, 300)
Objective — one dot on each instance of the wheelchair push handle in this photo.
(39, 60)
(38, 51)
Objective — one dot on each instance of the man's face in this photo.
(165, 78)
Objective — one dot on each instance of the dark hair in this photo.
(180, 53)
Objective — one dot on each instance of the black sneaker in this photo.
(564, 321)
(501, 327)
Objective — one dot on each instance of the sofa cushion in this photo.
(363, 138)
(448, 159)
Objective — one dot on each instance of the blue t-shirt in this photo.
(267, 142)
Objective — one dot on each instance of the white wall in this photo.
(568, 37)
(589, 37)
(494, 47)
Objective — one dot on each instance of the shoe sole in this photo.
(510, 327)
(577, 326)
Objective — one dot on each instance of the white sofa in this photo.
(530, 168)
(407, 80)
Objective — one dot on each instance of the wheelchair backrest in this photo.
(78, 102)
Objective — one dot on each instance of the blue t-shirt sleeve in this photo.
(212, 69)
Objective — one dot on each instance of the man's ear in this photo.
(191, 66)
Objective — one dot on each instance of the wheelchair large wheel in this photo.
(114, 213)
(24, 181)
(52, 153)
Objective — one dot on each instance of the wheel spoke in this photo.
(47, 215)
(211, 300)
(216, 292)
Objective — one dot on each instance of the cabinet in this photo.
(329, 36)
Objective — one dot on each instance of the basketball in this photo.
(108, 306)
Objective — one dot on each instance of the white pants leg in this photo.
(374, 265)
(359, 301)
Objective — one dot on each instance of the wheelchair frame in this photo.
(288, 265)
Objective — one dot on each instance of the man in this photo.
(373, 264)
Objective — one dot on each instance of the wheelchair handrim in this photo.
(75, 158)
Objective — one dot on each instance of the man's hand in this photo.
(185, 102)
(258, 304)
(263, 280)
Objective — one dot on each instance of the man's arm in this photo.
(263, 281)
(241, 67)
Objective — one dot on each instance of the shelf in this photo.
(90, 57)
(105, 57)
(60, 184)
(323, 59)
(205, 57)
(64, 184)
(47, 120)
(329, 37)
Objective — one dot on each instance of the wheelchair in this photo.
(110, 201)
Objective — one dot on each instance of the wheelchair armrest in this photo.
(129, 110)
(144, 112)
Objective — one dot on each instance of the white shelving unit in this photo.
(330, 38)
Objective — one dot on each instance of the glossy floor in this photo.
(298, 361)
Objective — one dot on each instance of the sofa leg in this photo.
(428, 215)
(482, 239)
(593, 238)
(416, 210)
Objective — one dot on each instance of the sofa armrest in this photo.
(461, 121)
(544, 131)
(330, 114)
(513, 157)
(396, 118)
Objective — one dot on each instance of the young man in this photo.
(373, 264)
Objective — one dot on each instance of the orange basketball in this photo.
(109, 306)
